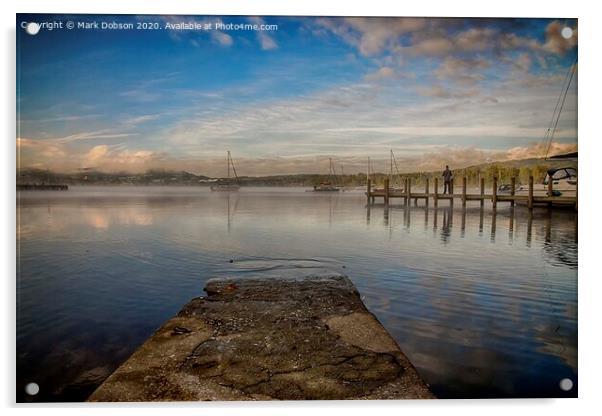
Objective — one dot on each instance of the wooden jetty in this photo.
(407, 194)
(269, 339)
(41, 187)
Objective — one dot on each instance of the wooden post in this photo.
(369, 191)
(530, 200)
(550, 190)
(405, 191)
(464, 191)
(426, 191)
(409, 189)
(512, 186)
(436, 191)
(494, 194)
(482, 191)
(387, 191)
(576, 194)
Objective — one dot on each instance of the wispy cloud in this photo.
(134, 121)
(60, 119)
(92, 135)
(266, 41)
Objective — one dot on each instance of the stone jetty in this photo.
(268, 339)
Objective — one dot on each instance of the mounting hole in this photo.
(566, 384)
(32, 28)
(32, 389)
(567, 32)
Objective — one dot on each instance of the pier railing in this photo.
(387, 193)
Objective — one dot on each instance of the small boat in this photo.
(393, 165)
(227, 186)
(564, 183)
(328, 186)
(505, 189)
(563, 180)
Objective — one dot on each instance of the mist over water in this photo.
(484, 304)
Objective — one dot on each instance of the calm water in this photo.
(484, 305)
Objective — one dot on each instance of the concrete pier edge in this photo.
(310, 338)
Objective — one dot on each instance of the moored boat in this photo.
(564, 183)
(328, 186)
(226, 185)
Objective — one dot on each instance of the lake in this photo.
(483, 302)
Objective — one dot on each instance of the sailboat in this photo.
(564, 179)
(392, 176)
(328, 186)
(228, 186)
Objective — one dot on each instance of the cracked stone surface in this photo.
(268, 339)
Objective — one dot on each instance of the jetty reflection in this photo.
(520, 224)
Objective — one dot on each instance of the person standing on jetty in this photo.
(447, 178)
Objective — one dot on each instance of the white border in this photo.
(589, 228)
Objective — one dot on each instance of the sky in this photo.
(436, 91)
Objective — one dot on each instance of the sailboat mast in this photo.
(228, 163)
(391, 167)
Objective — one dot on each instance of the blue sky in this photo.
(436, 91)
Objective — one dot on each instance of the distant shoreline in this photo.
(520, 169)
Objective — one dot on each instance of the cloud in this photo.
(92, 135)
(42, 149)
(97, 153)
(438, 91)
(459, 157)
(60, 156)
(376, 34)
(439, 46)
(384, 72)
(538, 150)
(462, 70)
(222, 38)
(437, 37)
(449, 132)
(134, 121)
(118, 158)
(60, 118)
(555, 42)
(475, 39)
(370, 35)
(266, 41)
(523, 62)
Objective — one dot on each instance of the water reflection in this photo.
(511, 225)
(445, 227)
(485, 306)
(231, 206)
(493, 224)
